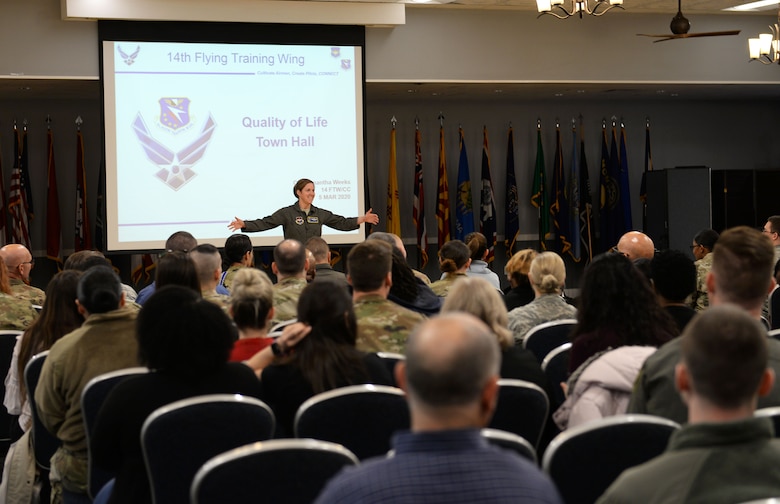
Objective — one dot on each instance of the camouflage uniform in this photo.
(442, 287)
(383, 326)
(220, 300)
(545, 308)
(700, 300)
(21, 290)
(227, 276)
(15, 314)
(286, 294)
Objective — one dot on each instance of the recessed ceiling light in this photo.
(411, 90)
(498, 90)
(660, 91)
(580, 91)
(558, 94)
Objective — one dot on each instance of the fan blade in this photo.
(664, 38)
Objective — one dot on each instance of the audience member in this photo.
(252, 307)
(741, 274)
(19, 263)
(107, 338)
(617, 308)
(451, 381)
(82, 260)
(636, 244)
(238, 254)
(311, 270)
(208, 264)
(185, 342)
(176, 268)
(324, 355)
(674, 279)
(477, 297)
(725, 454)
(547, 276)
(772, 230)
(520, 292)
(16, 314)
(290, 267)
(454, 261)
(383, 326)
(477, 244)
(324, 271)
(703, 244)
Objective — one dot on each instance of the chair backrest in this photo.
(293, 471)
(774, 333)
(585, 460)
(92, 398)
(7, 342)
(363, 418)
(773, 413)
(510, 441)
(390, 359)
(44, 443)
(774, 308)
(179, 438)
(556, 367)
(544, 338)
(522, 409)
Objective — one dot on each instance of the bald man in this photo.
(451, 381)
(636, 245)
(19, 263)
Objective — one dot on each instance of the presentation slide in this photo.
(200, 133)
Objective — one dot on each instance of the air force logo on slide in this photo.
(129, 59)
(174, 112)
(174, 168)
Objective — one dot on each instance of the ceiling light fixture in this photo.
(558, 9)
(766, 48)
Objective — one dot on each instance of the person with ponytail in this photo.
(252, 307)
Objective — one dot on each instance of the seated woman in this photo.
(239, 254)
(478, 297)
(252, 307)
(477, 244)
(617, 308)
(176, 268)
(185, 341)
(547, 275)
(520, 292)
(454, 261)
(324, 355)
(409, 291)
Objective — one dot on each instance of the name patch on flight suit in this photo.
(299, 220)
(313, 220)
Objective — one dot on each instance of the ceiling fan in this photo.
(680, 26)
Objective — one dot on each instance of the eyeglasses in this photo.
(694, 246)
(768, 231)
(614, 250)
(31, 262)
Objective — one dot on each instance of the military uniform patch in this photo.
(313, 220)
(299, 220)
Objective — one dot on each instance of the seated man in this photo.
(208, 265)
(324, 271)
(383, 326)
(290, 267)
(19, 263)
(725, 454)
(636, 245)
(702, 247)
(451, 381)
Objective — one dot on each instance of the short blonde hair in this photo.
(477, 297)
(548, 273)
(519, 264)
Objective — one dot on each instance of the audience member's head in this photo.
(311, 266)
(180, 241)
(454, 256)
(85, 259)
(673, 274)
(59, 316)
(369, 266)
(252, 299)
(99, 291)
(5, 285)
(405, 284)
(451, 373)
(319, 248)
(478, 246)
(476, 296)
(390, 238)
(176, 268)
(741, 273)
(704, 242)
(19, 261)
(238, 250)
(636, 244)
(518, 266)
(180, 333)
(208, 264)
(711, 346)
(289, 259)
(772, 229)
(547, 273)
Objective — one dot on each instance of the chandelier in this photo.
(558, 8)
(766, 48)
